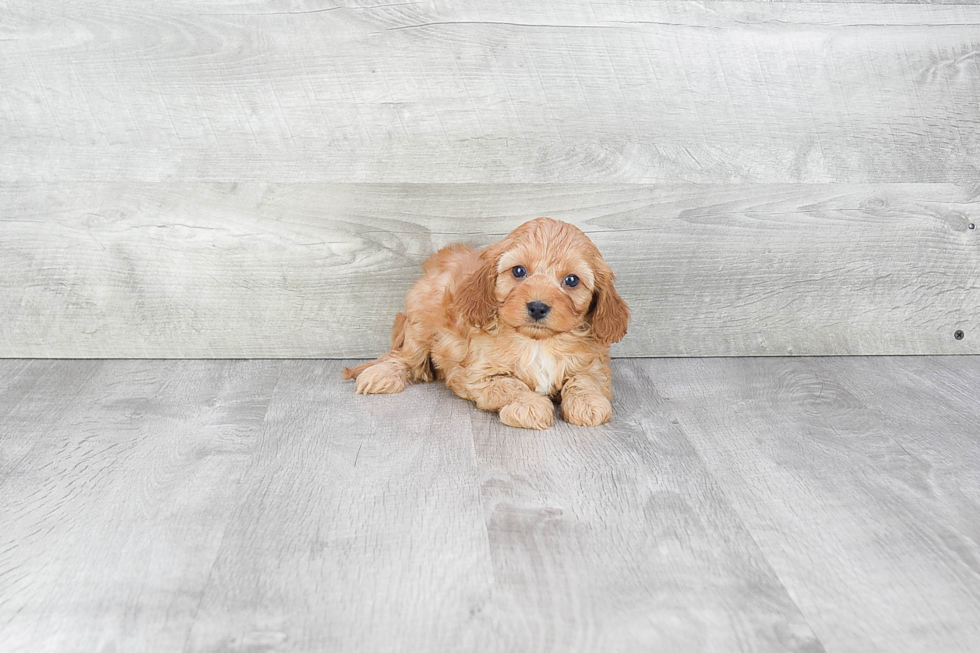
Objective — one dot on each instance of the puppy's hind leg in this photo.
(388, 374)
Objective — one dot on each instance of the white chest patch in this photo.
(542, 367)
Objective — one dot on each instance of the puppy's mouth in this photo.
(535, 330)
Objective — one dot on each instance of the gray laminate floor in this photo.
(732, 505)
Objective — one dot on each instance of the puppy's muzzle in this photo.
(538, 310)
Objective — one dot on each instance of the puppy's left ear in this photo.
(610, 314)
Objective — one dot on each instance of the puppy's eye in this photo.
(519, 271)
(571, 281)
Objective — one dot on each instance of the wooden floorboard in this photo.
(860, 486)
(360, 527)
(618, 539)
(36, 395)
(769, 504)
(108, 529)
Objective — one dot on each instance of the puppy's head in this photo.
(546, 277)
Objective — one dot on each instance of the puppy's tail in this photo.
(398, 332)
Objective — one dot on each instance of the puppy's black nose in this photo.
(537, 310)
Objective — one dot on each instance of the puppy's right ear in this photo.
(475, 297)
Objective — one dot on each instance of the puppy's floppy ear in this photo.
(610, 314)
(475, 297)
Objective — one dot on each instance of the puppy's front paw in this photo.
(586, 409)
(383, 378)
(529, 411)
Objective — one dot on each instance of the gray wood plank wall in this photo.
(230, 179)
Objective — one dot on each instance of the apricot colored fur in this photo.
(466, 322)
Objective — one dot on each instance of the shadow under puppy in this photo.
(512, 327)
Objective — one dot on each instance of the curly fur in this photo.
(466, 322)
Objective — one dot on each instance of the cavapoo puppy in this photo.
(513, 327)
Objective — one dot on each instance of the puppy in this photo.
(511, 327)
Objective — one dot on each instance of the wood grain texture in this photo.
(109, 527)
(490, 92)
(360, 527)
(36, 394)
(851, 132)
(319, 270)
(365, 523)
(617, 539)
(775, 504)
(857, 480)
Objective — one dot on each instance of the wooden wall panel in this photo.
(262, 178)
(311, 270)
(512, 91)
